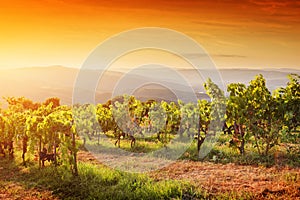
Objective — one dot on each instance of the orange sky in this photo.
(244, 34)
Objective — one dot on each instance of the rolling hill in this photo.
(40, 83)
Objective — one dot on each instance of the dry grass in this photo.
(219, 178)
(259, 182)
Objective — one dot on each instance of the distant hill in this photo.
(40, 83)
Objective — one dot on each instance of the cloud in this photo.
(217, 24)
(273, 6)
(229, 56)
(197, 55)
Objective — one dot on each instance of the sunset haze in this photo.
(237, 34)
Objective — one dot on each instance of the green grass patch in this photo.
(94, 182)
(97, 182)
(223, 153)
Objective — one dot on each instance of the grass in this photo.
(100, 182)
(142, 145)
(223, 153)
(93, 182)
(96, 181)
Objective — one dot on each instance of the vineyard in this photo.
(247, 125)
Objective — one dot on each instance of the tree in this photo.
(9, 130)
(16, 114)
(237, 115)
(3, 130)
(124, 124)
(218, 105)
(20, 104)
(171, 119)
(54, 100)
(264, 114)
(104, 117)
(19, 119)
(37, 135)
(60, 132)
(204, 112)
(290, 96)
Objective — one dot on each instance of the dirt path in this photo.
(218, 178)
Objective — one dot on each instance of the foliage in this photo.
(251, 114)
(264, 115)
(236, 115)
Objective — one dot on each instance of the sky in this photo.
(236, 34)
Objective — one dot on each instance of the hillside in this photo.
(39, 83)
